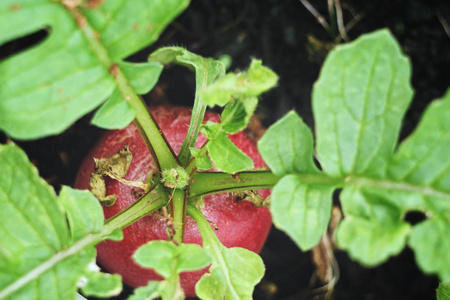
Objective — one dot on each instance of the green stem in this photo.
(198, 113)
(179, 214)
(205, 183)
(153, 200)
(155, 141)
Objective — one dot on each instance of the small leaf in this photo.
(359, 101)
(82, 212)
(301, 210)
(168, 260)
(237, 114)
(115, 113)
(225, 155)
(443, 291)
(257, 80)
(287, 146)
(148, 292)
(202, 161)
(142, 76)
(102, 285)
(373, 228)
(159, 255)
(234, 271)
(430, 241)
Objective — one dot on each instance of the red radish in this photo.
(239, 224)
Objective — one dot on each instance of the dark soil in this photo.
(289, 40)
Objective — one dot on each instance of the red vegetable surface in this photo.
(239, 224)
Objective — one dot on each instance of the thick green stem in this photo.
(153, 200)
(156, 143)
(179, 214)
(205, 183)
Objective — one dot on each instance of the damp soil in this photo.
(288, 39)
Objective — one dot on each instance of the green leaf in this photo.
(234, 271)
(71, 72)
(169, 260)
(41, 252)
(102, 285)
(423, 158)
(161, 255)
(82, 213)
(359, 101)
(225, 155)
(443, 291)
(430, 242)
(202, 161)
(237, 114)
(373, 228)
(257, 80)
(148, 292)
(301, 210)
(287, 147)
(117, 113)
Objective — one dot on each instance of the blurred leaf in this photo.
(71, 72)
(301, 210)
(287, 147)
(443, 291)
(102, 285)
(373, 228)
(237, 114)
(430, 241)
(169, 260)
(43, 254)
(257, 80)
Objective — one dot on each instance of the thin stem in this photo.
(340, 20)
(151, 201)
(155, 141)
(198, 113)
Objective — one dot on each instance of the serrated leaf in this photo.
(234, 271)
(40, 258)
(51, 85)
(202, 161)
(102, 285)
(225, 155)
(430, 242)
(443, 291)
(237, 114)
(301, 210)
(373, 228)
(287, 147)
(359, 101)
(257, 80)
